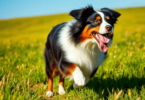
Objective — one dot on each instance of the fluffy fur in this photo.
(76, 48)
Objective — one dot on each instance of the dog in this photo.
(76, 48)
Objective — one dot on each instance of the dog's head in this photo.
(96, 26)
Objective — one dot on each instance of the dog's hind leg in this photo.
(51, 71)
(49, 92)
(61, 90)
(48, 70)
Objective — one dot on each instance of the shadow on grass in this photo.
(110, 85)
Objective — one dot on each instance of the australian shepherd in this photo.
(76, 48)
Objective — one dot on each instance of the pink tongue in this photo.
(102, 41)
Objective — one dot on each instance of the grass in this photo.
(22, 68)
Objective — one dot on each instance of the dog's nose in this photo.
(108, 27)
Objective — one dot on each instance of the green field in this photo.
(22, 67)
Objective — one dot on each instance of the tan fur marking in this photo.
(98, 18)
(50, 84)
(71, 68)
(96, 29)
(87, 33)
(61, 81)
(107, 17)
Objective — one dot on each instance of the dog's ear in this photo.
(112, 12)
(82, 14)
(76, 13)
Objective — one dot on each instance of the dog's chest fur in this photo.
(85, 55)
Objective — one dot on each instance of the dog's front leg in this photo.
(73, 70)
(79, 79)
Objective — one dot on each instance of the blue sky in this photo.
(26, 8)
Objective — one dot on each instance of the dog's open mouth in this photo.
(102, 40)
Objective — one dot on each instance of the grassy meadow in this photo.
(22, 67)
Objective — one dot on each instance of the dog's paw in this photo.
(80, 82)
(61, 90)
(49, 93)
(79, 78)
(76, 86)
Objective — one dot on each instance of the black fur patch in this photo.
(114, 15)
(81, 15)
(52, 51)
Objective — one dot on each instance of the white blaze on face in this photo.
(102, 29)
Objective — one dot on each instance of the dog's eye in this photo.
(97, 21)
